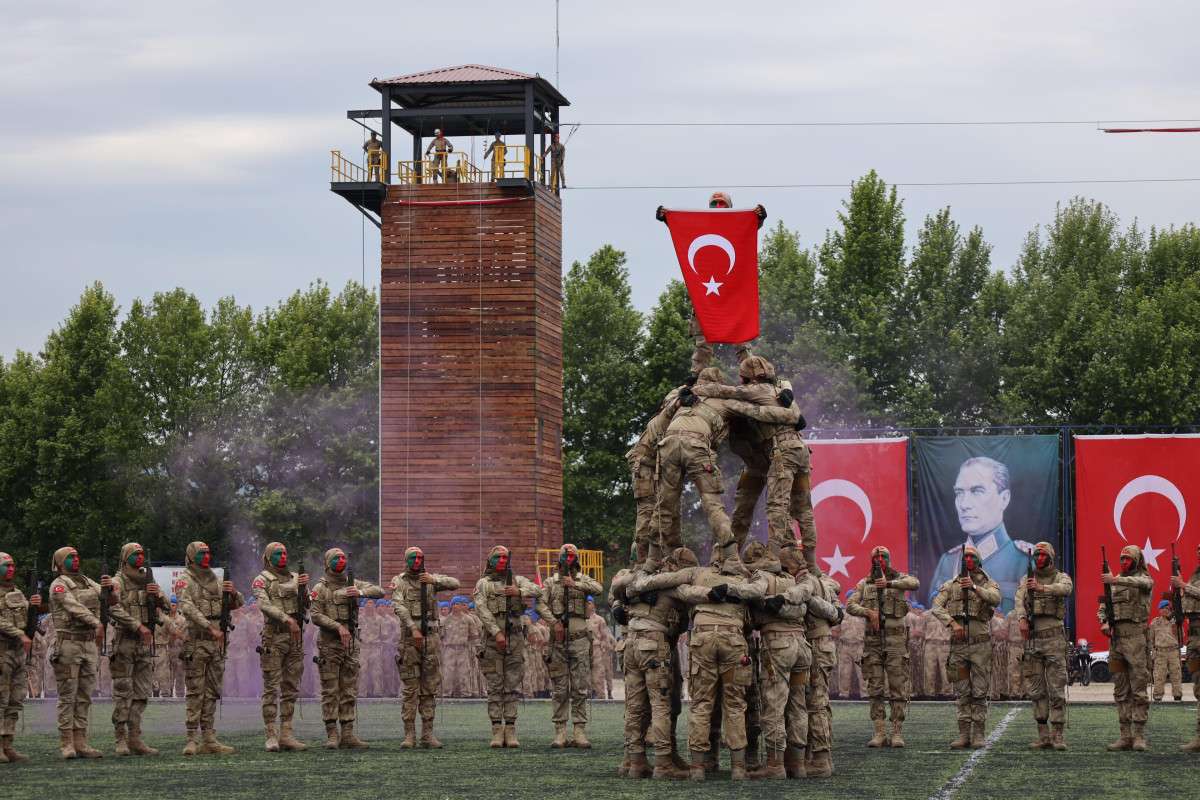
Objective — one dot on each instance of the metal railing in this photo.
(591, 562)
(343, 170)
(511, 161)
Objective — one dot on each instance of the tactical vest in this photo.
(577, 599)
(657, 616)
(893, 605)
(710, 416)
(1130, 604)
(133, 598)
(717, 613)
(977, 609)
(408, 593)
(498, 603)
(284, 593)
(1048, 605)
(13, 610)
(208, 604)
(86, 591)
(815, 626)
(1191, 605)
(330, 605)
(761, 617)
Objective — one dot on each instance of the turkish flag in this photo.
(718, 254)
(860, 500)
(1133, 490)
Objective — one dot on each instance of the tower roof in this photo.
(474, 84)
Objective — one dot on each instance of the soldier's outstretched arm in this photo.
(1061, 586)
(400, 608)
(1136, 581)
(748, 392)
(989, 592)
(854, 606)
(620, 583)
(589, 584)
(75, 609)
(444, 583)
(908, 583)
(938, 609)
(754, 589)
(663, 580)
(777, 415)
(368, 590)
(321, 612)
(691, 594)
(1191, 590)
(528, 588)
(482, 612)
(823, 609)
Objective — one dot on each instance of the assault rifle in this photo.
(1177, 596)
(425, 623)
(1110, 614)
(152, 609)
(31, 614)
(1029, 578)
(565, 621)
(352, 611)
(877, 574)
(508, 581)
(105, 603)
(964, 669)
(226, 621)
(302, 601)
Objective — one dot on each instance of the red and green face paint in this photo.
(137, 559)
(337, 563)
(71, 562)
(500, 562)
(8, 568)
(416, 560)
(1043, 559)
(1126, 564)
(972, 564)
(278, 558)
(203, 558)
(880, 560)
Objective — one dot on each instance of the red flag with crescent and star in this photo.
(718, 255)
(1138, 489)
(860, 500)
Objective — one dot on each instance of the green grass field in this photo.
(467, 768)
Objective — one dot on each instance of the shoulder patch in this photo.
(59, 588)
(259, 583)
(313, 594)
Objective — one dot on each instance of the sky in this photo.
(154, 146)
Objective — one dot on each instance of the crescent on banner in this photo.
(839, 487)
(711, 240)
(1147, 484)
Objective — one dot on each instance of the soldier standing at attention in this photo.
(376, 168)
(849, 657)
(564, 600)
(999, 631)
(1165, 641)
(135, 595)
(1190, 590)
(414, 597)
(338, 648)
(1131, 591)
(970, 661)
(915, 622)
(15, 648)
(602, 652)
(75, 608)
(818, 757)
(881, 603)
(455, 634)
(642, 459)
(441, 148)
(1044, 659)
(937, 650)
(279, 593)
(500, 604)
(200, 596)
(558, 162)
(495, 151)
(1016, 652)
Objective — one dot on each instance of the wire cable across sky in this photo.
(1098, 123)
(904, 184)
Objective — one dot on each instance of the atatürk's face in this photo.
(980, 506)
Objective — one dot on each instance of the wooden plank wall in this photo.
(471, 400)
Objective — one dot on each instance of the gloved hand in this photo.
(786, 398)
(687, 397)
(774, 603)
(660, 214)
(718, 593)
(691, 379)
(620, 614)
(761, 213)
(841, 615)
(801, 423)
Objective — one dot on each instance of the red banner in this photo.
(1132, 490)
(718, 255)
(860, 500)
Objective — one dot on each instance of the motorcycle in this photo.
(1079, 663)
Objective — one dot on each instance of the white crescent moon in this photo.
(711, 240)
(1149, 484)
(836, 487)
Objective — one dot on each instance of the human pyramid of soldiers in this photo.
(759, 620)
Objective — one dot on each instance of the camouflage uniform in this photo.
(1044, 659)
(998, 628)
(1191, 610)
(849, 657)
(887, 671)
(643, 466)
(819, 627)
(75, 608)
(474, 648)
(1016, 651)
(936, 653)
(338, 661)
(135, 597)
(456, 632)
(502, 668)
(1127, 643)
(35, 670)
(570, 651)
(914, 621)
(420, 665)
(970, 661)
(281, 597)
(161, 663)
(1164, 638)
(537, 637)
(14, 609)
(602, 653)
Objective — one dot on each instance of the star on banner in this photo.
(837, 562)
(712, 287)
(1150, 554)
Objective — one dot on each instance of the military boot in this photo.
(193, 742)
(794, 763)
(497, 735)
(964, 736)
(331, 735)
(289, 742)
(695, 772)
(428, 740)
(665, 769)
(1043, 740)
(737, 765)
(510, 734)
(210, 746)
(977, 738)
(821, 765)
(66, 744)
(638, 768)
(1139, 737)
(1123, 743)
(1056, 738)
(560, 736)
(272, 744)
(122, 742)
(623, 767)
(410, 735)
(880, 739)
(677, 761)
(82, 748)
(810, 558)
(136, 745)
(1192, 746)
(897, 739)
(772, 768)
(752, 760)
(580, 739)
(13, 756)
(350, 740)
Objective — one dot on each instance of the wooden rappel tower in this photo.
(471, 315)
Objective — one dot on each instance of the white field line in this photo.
(951, 786)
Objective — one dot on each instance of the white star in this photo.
(837, 562)
(712, 287)
(1150, 554)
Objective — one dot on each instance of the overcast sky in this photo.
(150, 146)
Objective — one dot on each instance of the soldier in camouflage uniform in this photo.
(970, 662)
(75, 607)
(564, 597)
(135, 597)
(1164, 639)
(1131, 595)
(499, 601)
(819, 628)
(456, 632)
(1190, 589)
(1016, 651)
(338, 648)
(279, 593)
(414, 592)
(882, 604)
(999, 630)
(936, 653)
(1044, 659)
(602, 652)
(643, 466)
(849, 657)
(15, 650)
